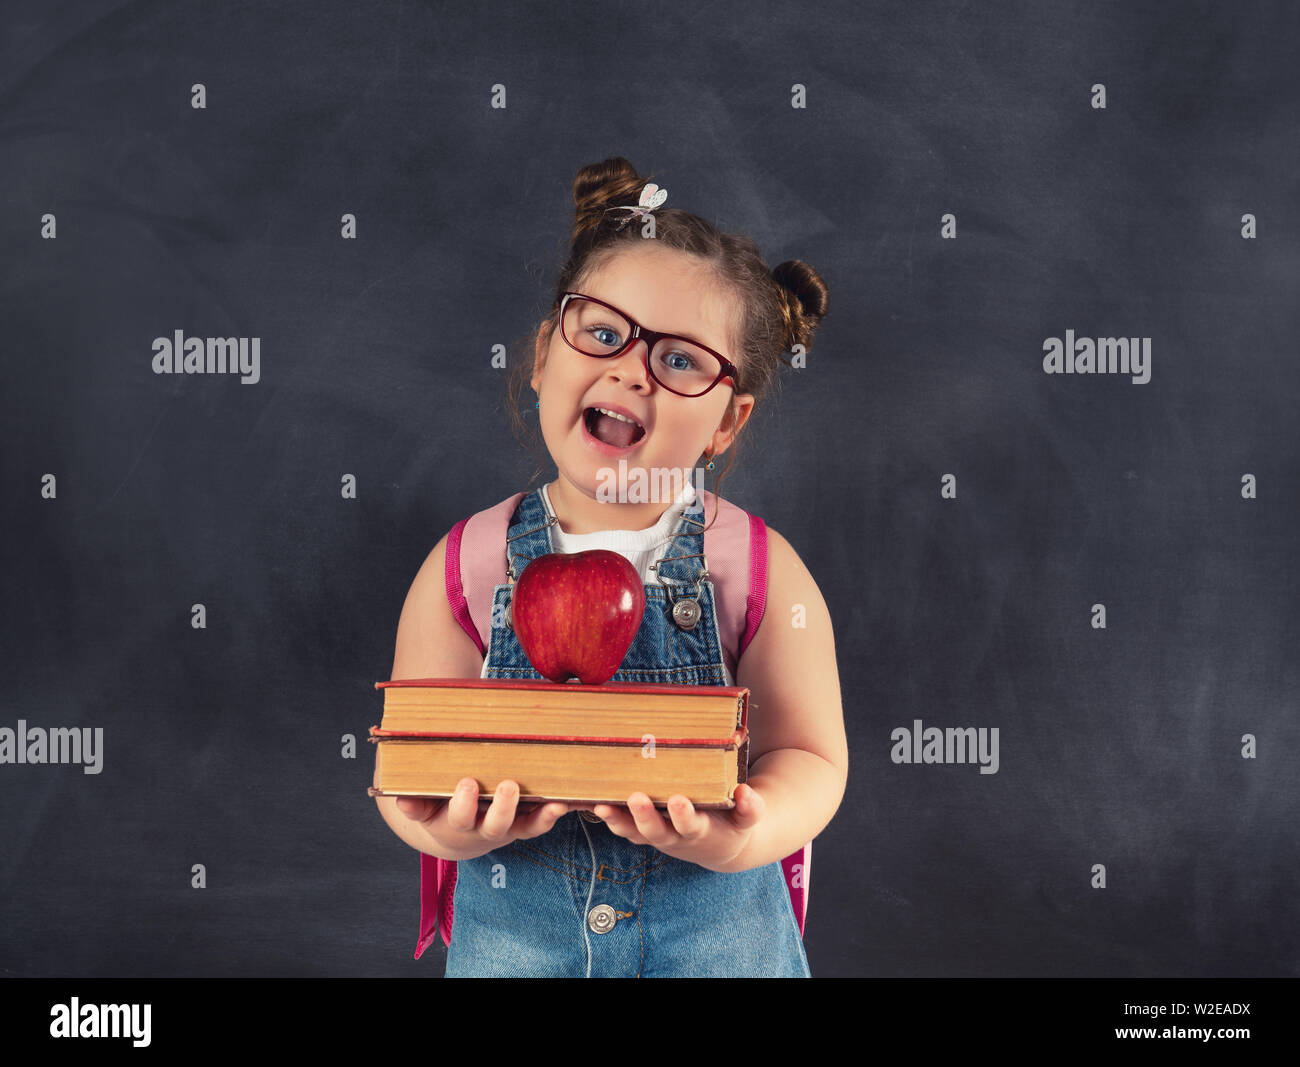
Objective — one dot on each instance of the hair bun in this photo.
(805, 299)
(600, 185)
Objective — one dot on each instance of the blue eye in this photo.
(679, 361)
(605, 336)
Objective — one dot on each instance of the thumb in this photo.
(749, 808)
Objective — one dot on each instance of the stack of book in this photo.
(585, 744)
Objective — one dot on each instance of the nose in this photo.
(632, 367)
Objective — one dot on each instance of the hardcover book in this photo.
(588, 744)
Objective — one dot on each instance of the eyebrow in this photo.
(671, 333)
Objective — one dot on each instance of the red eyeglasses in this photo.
(680, 365)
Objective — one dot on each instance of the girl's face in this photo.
(665, 290)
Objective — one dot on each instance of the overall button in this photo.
(601, 919)
(686, 613)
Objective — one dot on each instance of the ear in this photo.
(540, 347)
(738, 412)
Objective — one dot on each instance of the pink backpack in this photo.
(438, 877)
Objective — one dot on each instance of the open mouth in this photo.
(619, 431)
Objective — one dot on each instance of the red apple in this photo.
(577, 613)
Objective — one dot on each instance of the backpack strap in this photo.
(470, 577)
(455, 590)
(438, 876)
(797, 866)
(437, 885)
(757, 600)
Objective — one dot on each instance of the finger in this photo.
(501, 813)
(620, 822)
(749, 808)
(462, 809)
(420, 809)
(688, 822)
(649, 823)
(543, 819)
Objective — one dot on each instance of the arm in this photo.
(798, 750)
(432, 644)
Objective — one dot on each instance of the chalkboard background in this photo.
(1172, 503)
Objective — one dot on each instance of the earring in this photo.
(537, 403)
(710, 465)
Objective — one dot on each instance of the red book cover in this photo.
(738, 738)
(541, 683)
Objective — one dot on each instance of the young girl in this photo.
(550, 890)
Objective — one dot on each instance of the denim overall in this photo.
(580, 901)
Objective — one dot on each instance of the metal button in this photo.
(686, 613)
(601, 919)
(590, 816)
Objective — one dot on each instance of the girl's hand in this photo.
(458, 831)
(710, 838)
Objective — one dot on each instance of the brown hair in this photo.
(782, 306)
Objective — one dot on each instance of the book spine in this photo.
(702, 805)
(378, 734)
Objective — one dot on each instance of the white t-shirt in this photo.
(639, 547)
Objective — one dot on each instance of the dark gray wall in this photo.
(1119, 746)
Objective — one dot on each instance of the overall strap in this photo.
(529, 535)
(681, 566)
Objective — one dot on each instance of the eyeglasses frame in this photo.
(651, 338)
